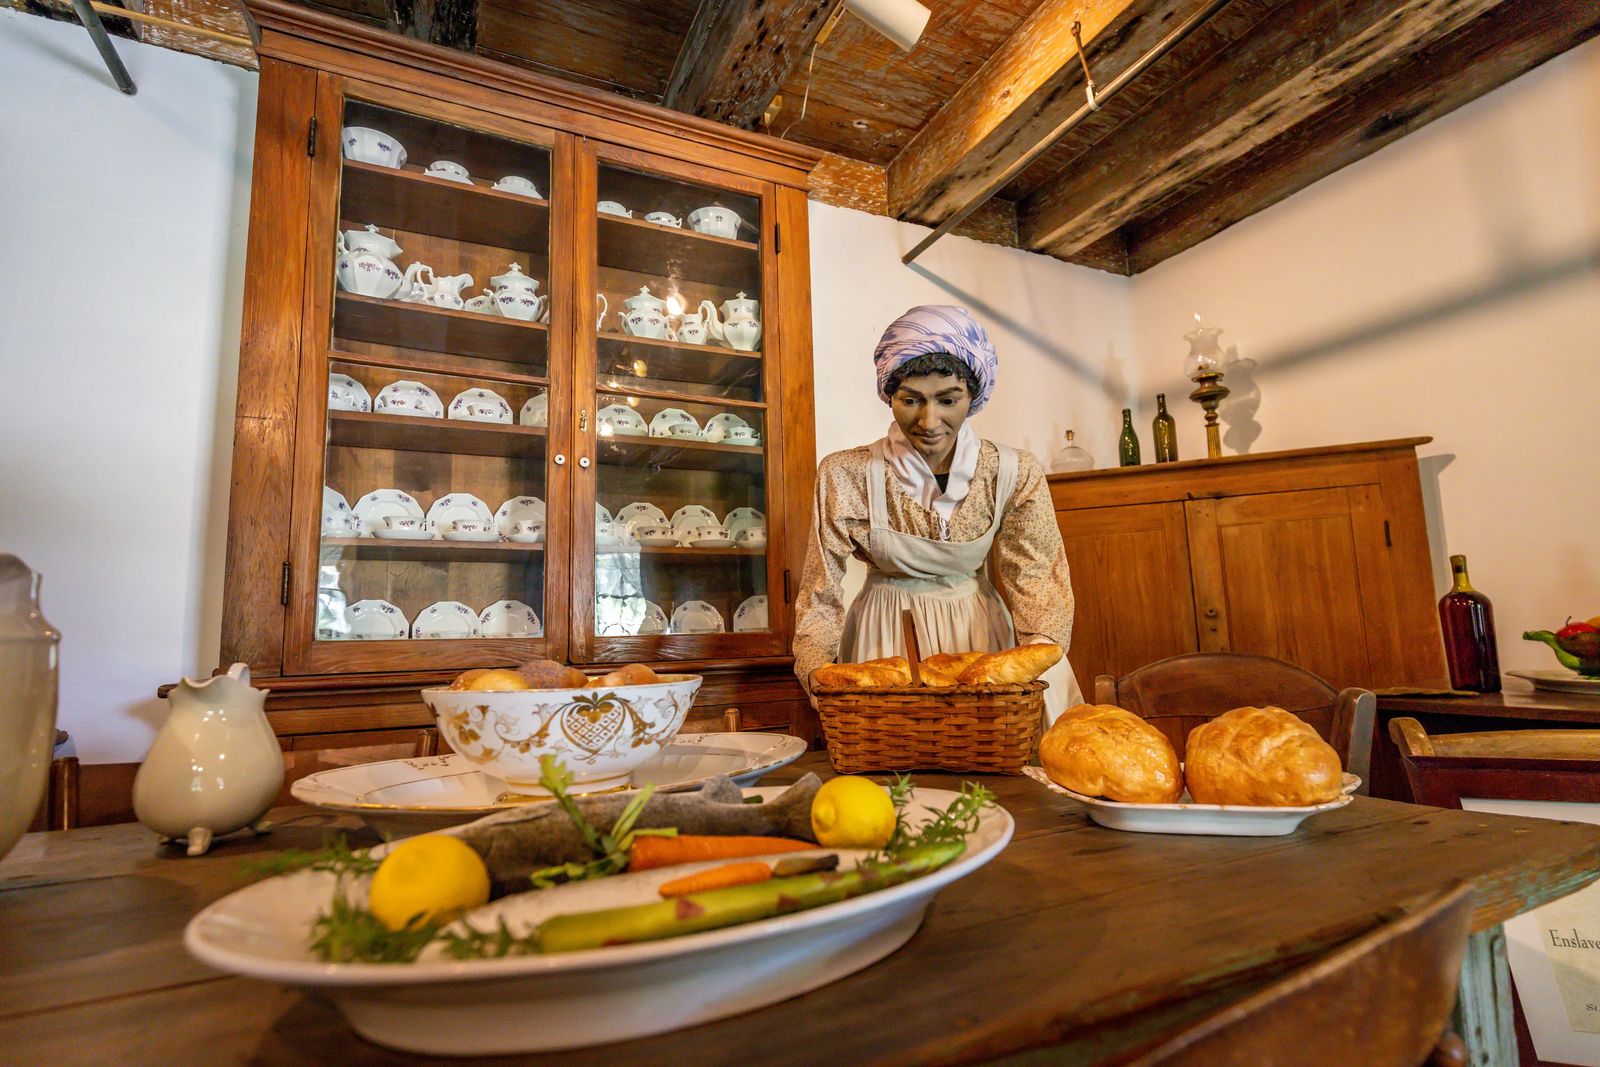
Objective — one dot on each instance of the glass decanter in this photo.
(1071, 457)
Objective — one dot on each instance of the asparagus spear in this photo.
(737, 904)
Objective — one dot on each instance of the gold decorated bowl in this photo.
(600, 734)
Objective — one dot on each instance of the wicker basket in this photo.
(990, 728)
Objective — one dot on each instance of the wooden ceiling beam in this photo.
(739, 52)
(1434, 81)
(1026, 89)
(451, 23)
(1303, 58)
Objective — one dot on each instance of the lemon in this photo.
(851, 812)
(431, 878)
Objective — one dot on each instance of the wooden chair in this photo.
(730, 721)
(1382, 1000)
(1179, 693)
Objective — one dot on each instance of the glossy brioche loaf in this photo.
(1013, 666)
(1101, 750)
(873, 674)
(1264, 757)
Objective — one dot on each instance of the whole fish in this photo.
(516, 843)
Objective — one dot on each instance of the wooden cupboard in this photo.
(544, 388)
(1316, 556)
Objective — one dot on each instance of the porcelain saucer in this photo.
(375, 620)
(697, 617)
(507, 515)
(536, 412)
(383, 533)
(692, 515)
(752, 615)
(347, 394)
(641, 512)
(509, 618)
(717, 426)
(452, 506)
(623, 421)
(409, 398)
(464, 401)
(381, 503)
(444, 620)
(462, 535)
(740, 518)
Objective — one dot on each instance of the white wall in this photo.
(1448, 285)
(122, 227)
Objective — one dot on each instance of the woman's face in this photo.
(930, 409)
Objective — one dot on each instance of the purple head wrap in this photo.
(932, 328)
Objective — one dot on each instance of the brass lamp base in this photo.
(1209, 392)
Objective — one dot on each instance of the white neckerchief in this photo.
(916, 477)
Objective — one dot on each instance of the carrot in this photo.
(657, 851)
(745, 873)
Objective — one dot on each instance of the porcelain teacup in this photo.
(654, 531)
(685, 429)
(741, 435)
(484, 305)
(408, 523)
(611, 207)
(469, 526)
(444, 168)
(516, 183)
(340, 524)
(529, 528)
(664, 218)
(483, 411)
(715, 220)
(752, 536)
(708, 532)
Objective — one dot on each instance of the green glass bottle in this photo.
(1128, 443)
(1164, 432)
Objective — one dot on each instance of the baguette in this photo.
(1014, 666)
(873, 674)
(951, 663)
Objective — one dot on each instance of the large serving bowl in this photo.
(366, 145)
(600, 734)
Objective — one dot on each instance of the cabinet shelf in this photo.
(439, 550)
(392, 322)
(408, 199)
(409, 433)
(670, 252)
(441, 363)
(668, 552)
(670, 361)
(678, 455)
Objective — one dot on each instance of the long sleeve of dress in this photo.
(1033, 562)
(819, 605)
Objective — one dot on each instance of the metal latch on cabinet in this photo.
(283, 588)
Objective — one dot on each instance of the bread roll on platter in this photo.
(1014, 666)
(1101, 750)
(1264, 757)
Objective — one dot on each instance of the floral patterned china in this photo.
(640, 512)
(693, 515)
(451, 172)
(507, 515)
(480, 405)
(674, 422)
(717, 426)
(366, 145)
(452, 506)
(347, 394)
(409, 398)
(664, 218)
(656, 535)
(742, 518)
(364, 263)
(712, 536)
(516, 183)
(337, 518)
(715, 220)
(446, 620)
(509, 618)
(380, 503)
(375, 620)
(622, 421)
(697, 617)
(611, 207)
(536, 411)
(751, 615)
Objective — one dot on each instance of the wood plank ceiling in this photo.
(1264, 98)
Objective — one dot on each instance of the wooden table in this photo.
(1518, 706)
(1076, 939)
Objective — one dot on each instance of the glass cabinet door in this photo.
(682, 443)
(435, 476)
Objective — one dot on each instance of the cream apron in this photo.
(944, 584)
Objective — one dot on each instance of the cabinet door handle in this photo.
(583, 420)
(583, 461)
(561, 459)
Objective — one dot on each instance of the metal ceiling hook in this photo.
(1088, 79)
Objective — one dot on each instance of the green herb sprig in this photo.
(346, 933)
(335, 856)
(610, 849)
(953, 824)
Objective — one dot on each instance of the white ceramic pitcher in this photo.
(28, 648)
(215, 767)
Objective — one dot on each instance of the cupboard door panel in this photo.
(1131, 585)
(1289, 578)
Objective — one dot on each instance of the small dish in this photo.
(470, 535)
(375, 620)
(516, 183)
(622, 421)
(409, 398)
(449, 171)
(480, 405)
(675, 422)
(445, 620)
(717, 426)
(347, 394)
(381, 503)
(383, 533)
(508, 514)
(751, 615)
(697, 617)
(509, 618)
(452, 506)
(366, 145)
(693, 515)
(1559, 681)
(641, 513)
(536, 411)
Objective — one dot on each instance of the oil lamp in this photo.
(1203, 366)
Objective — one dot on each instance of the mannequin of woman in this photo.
(923, 507)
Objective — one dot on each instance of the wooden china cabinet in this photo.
(356, 402)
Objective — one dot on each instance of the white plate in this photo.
(461, 535)
(623, 421)
(1559, 681)
(667, 418)
(713, 542)
(660, 542)
(347, 394)
(458, 406)
(409, 398)
(717, 426)
(575, 999)
(740, 518)
(410, 796)
(1187, 817)
(444, 620)
(375, 620)
(641, 512)
(697, 617)
(751, 615)
(334, 510)
(536, 412)
(691, 515)
(381, 503)
(453, 506)
(383, 533)
(509, 618)
(507, 515)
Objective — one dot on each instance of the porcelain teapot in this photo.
(513, 280)
(737, 324)
(364, 263)
(216, 765)
(645, 315)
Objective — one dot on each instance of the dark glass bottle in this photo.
(1467, 619)
(1128, 443)
(1164, 432)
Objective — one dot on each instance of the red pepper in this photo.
(1573, 629)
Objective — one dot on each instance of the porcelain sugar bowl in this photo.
(216, 765)
(645, 315)
(365, 264)
(516, 295)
